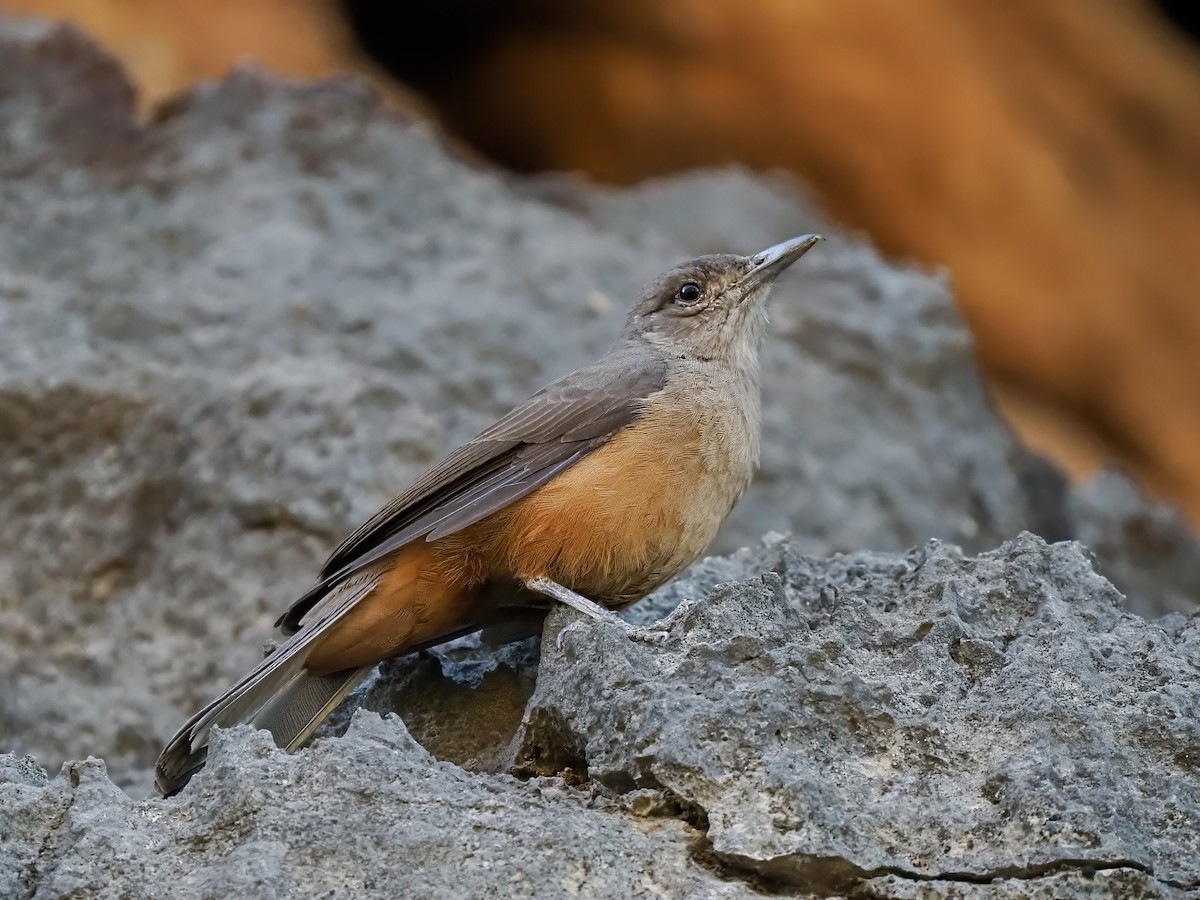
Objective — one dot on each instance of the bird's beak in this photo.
(766, 266)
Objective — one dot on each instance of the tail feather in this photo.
(291, 713)
(264, 697)
(372, 615)
(297, 710)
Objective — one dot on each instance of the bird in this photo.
(595, 491)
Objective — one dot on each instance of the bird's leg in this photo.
(592, 610)
(556, 591)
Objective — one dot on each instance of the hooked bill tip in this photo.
(782, 255)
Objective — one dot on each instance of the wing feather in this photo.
(550, 431)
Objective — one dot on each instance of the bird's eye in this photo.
(688, 293)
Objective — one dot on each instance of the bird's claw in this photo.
(649, 634)
(646, 634)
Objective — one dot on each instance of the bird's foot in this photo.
(578, 602)
(653, 634)
(657, 632)
(675, 616)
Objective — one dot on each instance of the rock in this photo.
(168, 48)
(1148, 549)
(367, 815)
(462, 701)
(924, 725)
(916, 718)
(229, 335)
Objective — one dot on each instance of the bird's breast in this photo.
(634, 512)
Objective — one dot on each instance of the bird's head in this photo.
(713, 307)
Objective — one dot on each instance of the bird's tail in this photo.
(291, 709)
(280, 695)
(338, 635)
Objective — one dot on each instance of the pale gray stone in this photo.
(229, 334)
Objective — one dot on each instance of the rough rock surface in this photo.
(894, 725)
(227, 336)
(927, 716)
(368, 815)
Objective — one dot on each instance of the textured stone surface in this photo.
(922, 725)
(929, 716)
(227, 336)
(368, 815)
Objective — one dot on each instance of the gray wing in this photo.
(554, 428)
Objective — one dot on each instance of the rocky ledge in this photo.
(888, 725)
(229, 334)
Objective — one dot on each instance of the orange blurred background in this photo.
(1046, 154)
